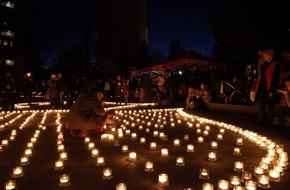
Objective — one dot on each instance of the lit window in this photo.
(5, 42)
(9, 62)
(7, 4)
(10, 33)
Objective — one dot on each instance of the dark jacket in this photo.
(86, 113)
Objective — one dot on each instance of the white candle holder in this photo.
(190, 148)
(274, 175)
(149, 166)
(94, 152)
(153, 146)
(64, 180)
(163, 180)
(28, 152)
(180, 161)
(258, 171)
(186, 137)
(10, 185)
(176, 142)
(134, 136)
(239, 188)
(214, 145)
(142, 140)
(91, 145)
(246, 176)
(204, 173)
(132, 156)
(212, 156)
(58, 165)
(220, 137)
(235, 181)
(4, 142)
(100, 161)
(223, 185)
(121, 186)
(107, 173)
(63, 156)
(207, 186)
(200, 140)
(250, 185)
(164, 152)
(237, 151)
(239, 141)
(24, 161)
(17, 172)
(239, 166)
(125, 148)
(264, 181)
(60, 148)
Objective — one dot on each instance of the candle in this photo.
(10, 185)
(63, 156)
(125, 148)
(205, 133)
(95, 152)
(24, 160)
(207, 186)
(28, 152)
(64, 180)
(87, 140)
(149, 166)
(214, 145)
(155, 133)
(132, 156)
(219, 137)
(60, 148)
(142, 140)
(17, 172)
(198, 131)
(1, 149)
(180, 161)
(246, 176)
(186, 137)
(200, 140)
(212, 156)
(274, 175)
(223, 185)
(91, 145)
(258, 171)
(239, 166)
(190, 148)
(33, 140)
(153, 145)
(250, 185)
(107, 173)
(264, 181)
(204, 173)
(235, 181)
(163, 180)
(239, 141)
(222, 131)
(134, 136)
(100, 161)
(58, 165)
(5, 142)
(164, 152)
(237, 151)
(121, 186)
(176, 142)
(238, 188)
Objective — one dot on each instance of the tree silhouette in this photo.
(175, 49)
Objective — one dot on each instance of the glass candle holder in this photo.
(60, 148)
(24, 161)
(237, 151)
(91, 145)
(132, 156)
(163, 180)
(264, 181)
(28, 152)
(214, 145)
(239, 166)
(155, 133)
(190, 148)
(121, 186)
(63, 156)
(239, 141)
(204, 173)
(176, 142)
(258, 171)
(125, 148)
(142, 140)
(30, 145)
(205, 133)
(64, 180)
(164, 152)
(186, 137)
(198, 131)
(222, 131)
(149, 166)
(94, 152)
(274, 175)
(219, 137)
(200, 140)
(223, 185)
(207, 186)
(58, 165)
(250, 185)
(107, 173)
(180, 161)
(17, 172)
(134, 136)
(246, 176)
(100, 161)
(87, 140)
(238, 187)
(212, 156)
(153, 145)
(235, 181)
(10, 185)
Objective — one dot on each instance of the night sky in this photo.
(183, 19)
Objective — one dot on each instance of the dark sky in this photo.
(183, 19)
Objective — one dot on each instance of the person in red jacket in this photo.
(269, 82)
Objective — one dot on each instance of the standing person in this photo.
(87, 115)
(193, 81)
(53, 94)
(269, 81)
(61, 88)
(125, 91)
(118, 89)
(8, 92)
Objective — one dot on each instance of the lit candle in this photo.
(237, 151)
(190, 148)
(149, 167)
(263, 181)
(121, 186)
(1, 149)
(60, 148)
(176, 142)
(239, 141)
(222, 131)
(274, 175)
(186, 137)
(63, 156)
(10, 185)
(235, 181)
(28, 152)
(125, 148)
(207, 186)
(238, 188)
(58, 165)
(239, 166)
(33, 140)
(17, 172)
(87, 140)
(180, 161)
(212, 156)
(64, 180)
(204, 173)
(163, 180)
(155, 133)
(107, 173)
(223, 185)
(134, 136)
(198, 131)
(100, 161)
(164, 152)
(132, 156)
(250, 185)
(91, 145)
(258, 171)
(246, 176)
(142, 140)
(205, 133)
(24, 160)
(220, 137)
(95, 152)
(30, 145)
(214, 145)
(200, 140)
(5, 142)
(153, 145)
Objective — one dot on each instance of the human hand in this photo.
(283, 91)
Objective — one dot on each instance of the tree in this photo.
(142, 55)
(157, 55)
(175, 49)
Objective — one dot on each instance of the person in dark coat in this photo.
(87, 115)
